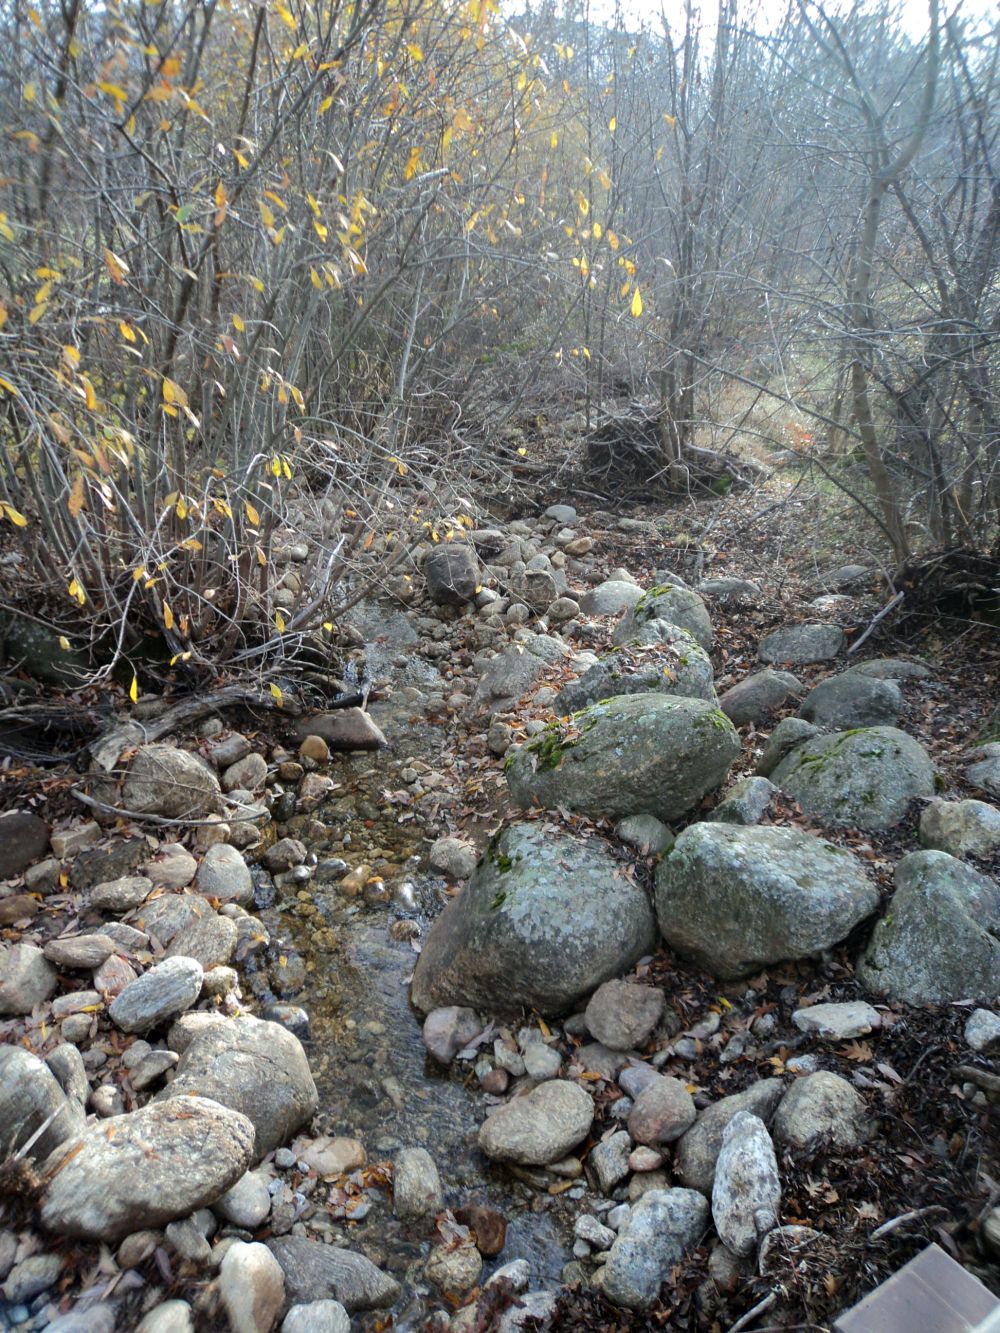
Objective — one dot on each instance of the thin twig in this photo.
(760, 1308)
(888, 1227)
(161, 820)
(894, 601)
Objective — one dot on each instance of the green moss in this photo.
(940, 782)
(548, 748)
(498, 902)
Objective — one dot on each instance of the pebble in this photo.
(540, 1127)
(120, 895)
(822, 1108)
(224, 875)
(448, 1030)
(663, 1111)
(416, 1184)
(838, 1022)
(609, 1160)
(622, 1015)
(982, 1029)
(170, 1317)
(595, 1233)
(32, 1276)
(154, 1066)
(188, 1242)
(454, 1270)
(541, 1062)
(317, 1316)
(251, 1287)
(26, 978)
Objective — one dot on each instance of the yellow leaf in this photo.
(613, 239)
(279, 620)
(3, 313)
(71, 355)
(315, 279)
(415, 50)
(116, 266)
(554, 140)
(15, 516)
(320, 229)
(325, 105)
(252, 513)
(7, 387)
(671, 120)
(613, 124)
(261, 557)
(6, 230)
(75, 501)
(412, 163)
(238, 323)
(522, 451)
(37, 312)
(76, 592)
(173, 393)
(133, 690)
(90, 396)
(168, 616)
(220, 195)
(126, 330)
(637, 303)
(276, 694)
(64, 643)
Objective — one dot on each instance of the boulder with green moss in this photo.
(677, 606)
(866, 777)
(735, 899)
(545, 919)
(645, 754)
(676, 664)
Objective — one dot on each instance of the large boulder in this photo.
(853, 700)
(254, 1067)
(452, 574)
(610, 597)
(940, 939)
(637, 755)
(543, 921)
(867, 778)
(24, 837)
(676, 606)
(798, 645)
(163, 780)
(142, 1170)
(32, 1102)
(757, 697)
(733, 899)
(676, 664)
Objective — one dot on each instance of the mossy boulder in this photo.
(676, 665)
(940, 939)
(866, 777)
(677, 606)
(545, 919)
(735, 899)
(646, 754)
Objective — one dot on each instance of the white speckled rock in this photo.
(746, 1195)
(165, 991)
(252, 1288)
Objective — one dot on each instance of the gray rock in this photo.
(120, 895)
(645, 833)
(416, 1185)
(985, 775)
(163, 992)
(452, 573)
(540, 1127)
(230, 750)
(940, 939)
(187, 1242)
(746, 1193)
(789, 733)
(838, 1022)
(24, 837)
(147, 1071)
(544, 920)
(506, 679)
(317, 1317)
(745, 802)
(634, 1077)
(100, 1318)
(757, 697)
(166, 781)
(144, 1169)
(170, 1317)
(644, 754)
(67, 1065)
(284, 855)
(560, 513)
(982, 1030)
(730, 591)
(453, 857)
(663, 1226)
(846, 576)
(447, 1030)
(608, 1160)
(251, 1288)
(247, 1203)
(256, 1068)
(454, 1268)
(211, 940)
(961, 828)
(852, 700)
(623, 1015)
(696, 1154)
(586, 1227)
(31, 1277)
(165, 917)
(821, 1109)
(893, 668)
(675, 664)
(223, 874)
(315, 1272)
(733, 899)
(26, 978)
(867, 778)
(536, 588)
(663, 1111)
(247, 774)
(610, 597)
(541, 1062)
(801, 644)
(677, 606)
(79, 951)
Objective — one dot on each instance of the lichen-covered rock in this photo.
(867, 778)
(801, 644)
(852, 700)
(734, 899)
(961, 828)
(696, 1154)
(543, 921)
(676, 606)
(145, 1169)
(610, 597)
(940, 939)
(163, 780)
(662, 1227)
(746, 1195)
(641, 754)
(676, 664)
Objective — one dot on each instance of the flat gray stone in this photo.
(800, 645)
(165, 991)
(314, 1271)
(317, 1317)
(540, 1127)
(120, 895)
(838, 1022)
